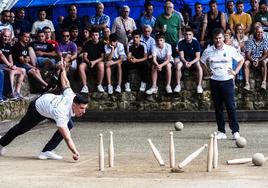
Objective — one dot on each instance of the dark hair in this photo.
(94, 30)
(73, 27)
(136, 32)
(39, 31)
(262, 2)
(20, 9)
(239, 2)
(113, 37)
(4, 11)
(212, 2)
(22, 33)
(217, 31)
(229, 1)
(159, 36)
(80, 99)
(45, 28)
(42, 10)
(197, 3)
(189, 29)
(65, 30)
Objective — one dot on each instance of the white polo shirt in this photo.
(161, 54)
(220, 61)
(118, 51)
(56, 107)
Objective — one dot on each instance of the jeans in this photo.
(2, 75)
(222, 93)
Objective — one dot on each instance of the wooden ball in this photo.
(258, 159)
(241, 142)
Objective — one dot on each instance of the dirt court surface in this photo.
(135, 165)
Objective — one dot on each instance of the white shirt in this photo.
(7, 26)
(220, 61)
(56, 107)
(38, 25)
(118, 51)
(161, 54)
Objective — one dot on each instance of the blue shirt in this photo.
(98, 20)
(189, 49)
(144, 20)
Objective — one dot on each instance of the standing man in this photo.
(198, 19)
(100, 21)
(230, 10)
(147, 18)
(5, 22)
(220, 57)
(262, 15)
(254, 8)
(123, 26)
(72, 20)
(59, 108)
(240, 17)
(169, 24)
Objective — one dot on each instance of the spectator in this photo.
(12, 18)
(256, 55)
(162, 58)
(255, 25)
(220, 58)
(169, 23)
(189, 54)
(198, 19)
(86, 36)
(213, 19)
(240, 17)
(21, 24)
(100, 21)
(42, 53)
(7, 64)
(188, 23)
(20, 54)
(74, 37)
(115, 56)
(48, 35)
(67, 50)
(262, 15)
(123, 26)
(136, 59)
(254, 8)
(93, 57)
(72, 19)
(58, 28)
(41, 23)
(5, 22)
(147, 39)
(230, 10)
(147, 18)
(106, 34)
(240, 39)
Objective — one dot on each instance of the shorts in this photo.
(25, 66)
(41, 61)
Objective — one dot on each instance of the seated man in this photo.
(189, 50)
(162, 58)
(41, 52)
(149, 41)
(93, 54)
(67, 50)
(20, 54)
(136, 59)
(48, 35)
(6, 64)
(2, 75)
(115, 55)
(256, 54)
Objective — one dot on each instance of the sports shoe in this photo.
(199, 89)
(118, 89)
(127, 87)
(168, 89)
(236, 135)
(152, 90)
(247, 87)
(177, 88)
(49, 155)
(2, 150)
(143, 86)
(18, 96)
(100, 88)
(84, 89)
(263, 85)
(221, 135)
(110, 89)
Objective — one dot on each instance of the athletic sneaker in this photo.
(199, 89)
(143, 86)
(84, 89)
(2, 150)
(221, 135)
(247, 87)
(110, 89)
(152, 90)
(236, 135)
(263, 85)
(118, 89)
(177, 88)
(127, 87)
(18, 96)
(100, 88)
(49, 155)
(168, 89)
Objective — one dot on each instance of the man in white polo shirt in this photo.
(59, 108)
(220, 57)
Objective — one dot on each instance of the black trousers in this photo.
(29, 121)
(142, 68)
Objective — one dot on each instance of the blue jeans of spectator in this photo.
(222, 93)
(2, 76)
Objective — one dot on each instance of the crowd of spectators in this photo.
(173, 41)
